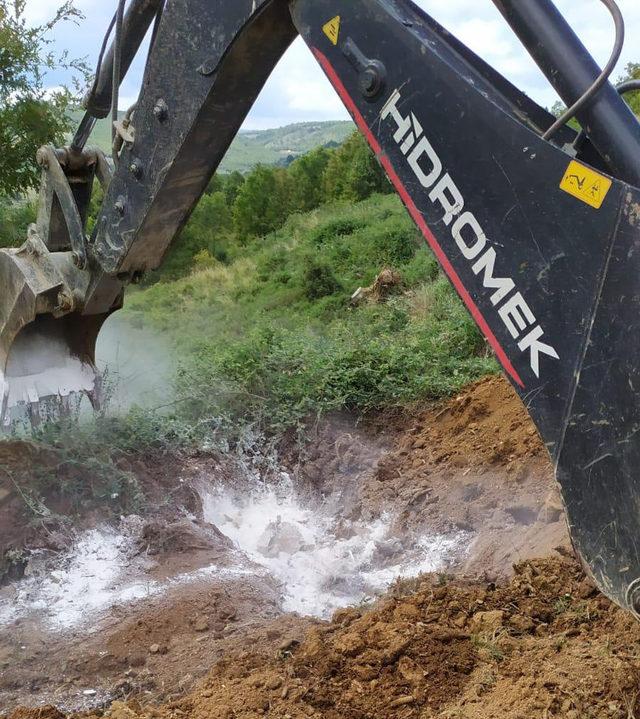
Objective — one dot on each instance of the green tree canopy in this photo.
(232, 184)
(262, 203)
(30, 113)
(307, 179)
(353, 173)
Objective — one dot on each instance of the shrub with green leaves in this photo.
(15, 218)
(318, 280)
(272, 339)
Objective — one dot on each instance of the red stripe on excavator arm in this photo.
(417, 217)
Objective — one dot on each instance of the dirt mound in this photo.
(47, 712)
(157, 538)
(545, 645)
(476, 463)
(484, 427)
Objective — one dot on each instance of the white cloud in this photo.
(485, 37)
(126, 101)
(299, 91)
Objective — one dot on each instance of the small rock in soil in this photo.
(201, 625)
(280, 537)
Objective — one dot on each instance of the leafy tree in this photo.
(262, 204)
(307, 179)
(353, 173)
(232, 184)
(215, 213)
(30, 114)
(216, 184)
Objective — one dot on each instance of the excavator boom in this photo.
(535, 224)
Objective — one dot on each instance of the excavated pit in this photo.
(255, 551)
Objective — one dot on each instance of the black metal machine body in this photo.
(540, 239)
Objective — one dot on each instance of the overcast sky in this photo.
(298, 90)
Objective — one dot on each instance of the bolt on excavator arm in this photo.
(537, 231)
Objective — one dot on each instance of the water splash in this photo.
(322, 564)
(87, 578)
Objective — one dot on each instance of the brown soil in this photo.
(474, 463)
(478, 464)
(545, 645)
(36, 513)
(483, 644)
(17, 458)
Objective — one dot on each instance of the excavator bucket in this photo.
(45, 356)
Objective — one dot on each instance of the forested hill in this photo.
(283, 144)
(268, 147)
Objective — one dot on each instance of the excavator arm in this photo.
(535, 224)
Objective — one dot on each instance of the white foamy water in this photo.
(320, 564)
(100, 570)
(322, 567)
(87, 579)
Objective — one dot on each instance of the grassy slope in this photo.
(250, 148)
(258, 342)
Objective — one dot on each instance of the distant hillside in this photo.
(269, 147)
(280, 146)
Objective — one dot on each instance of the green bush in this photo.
(15, 218)
(319, 281)
(271, 339)
(334, 229)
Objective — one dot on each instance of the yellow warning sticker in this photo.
(585, 184)
(332, 29)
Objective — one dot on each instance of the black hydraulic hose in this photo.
(156, 26)
(572, 111)
(138, 17)
(611, 125)
(628, 86)
(117, 57)
(88, 121)
(85, 128)
(623, 88)
(103, 49)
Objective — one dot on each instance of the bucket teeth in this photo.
(47, 346)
